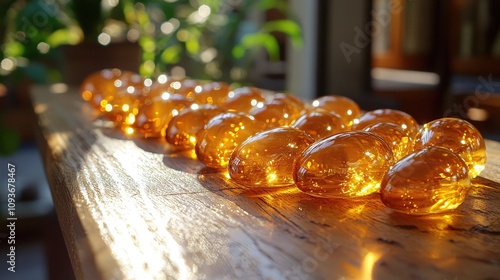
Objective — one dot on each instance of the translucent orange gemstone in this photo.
(183, 128)
(243, 99)
(320, 124)
(430, 180)
(400, 143)
(278, 110)
(222, 134)
(185, 88)
(161, 85)
(457, 135)
(155, 114)
(97, 86)
(346, 108)
(170, 85)
(402, 119)
(266, 159)
(347, 164)
(293, 103)
(274, 115)
(214, 93)
(125, 107)
(110, 89)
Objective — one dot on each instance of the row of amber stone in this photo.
(327, 147)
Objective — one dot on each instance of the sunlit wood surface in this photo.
(136, 209)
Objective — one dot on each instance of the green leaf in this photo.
(147, 43)
(192, 42)
(129, 12)
(238, 51)
(273, 4)
(147, 68)
(264, 40)
(148, 56)
(14, 48)
(286, 26)
(63, 36)
(171, 54)
(142, 17)
(192, 45)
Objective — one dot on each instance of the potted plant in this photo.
(24, 58)
(103, 42)
(217, 39)
(47, 41)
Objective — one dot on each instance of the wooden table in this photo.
(136, 209)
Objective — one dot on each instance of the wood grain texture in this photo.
(136, 209)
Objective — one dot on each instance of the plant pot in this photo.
(81, 60)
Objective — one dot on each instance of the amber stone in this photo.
(183, 128)
(221, 135)
(430, 180)
(99, 86)
(406, 122)
(278, 110)
(400, 143)
(243, 99)
(155, 114)
(161, 85)
(125, 107)
(320, 124)
(266, 159)
(347, 164)
(185, 88)
(114, 92)
(169, 85)
(345, 107)
(213, 93)
(292, 102)
(274, 115)
(457, 135)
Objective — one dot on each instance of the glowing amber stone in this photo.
(155, 114)
(400, 143)
(457, 135)
(185, 88)
(346, 108)
(293, 103)
(347, 164)
(266, 159)
(320, 124)
(427, 181)
(170, 85)
(161, 85)
(125, 108)
(109, 89)
(214, 93)
(97, 86)
(274, 115)
(243, 99)
(222, 134)
(406, 122)
(183, 128)
(278, 110)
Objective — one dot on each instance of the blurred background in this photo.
(428, 58)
